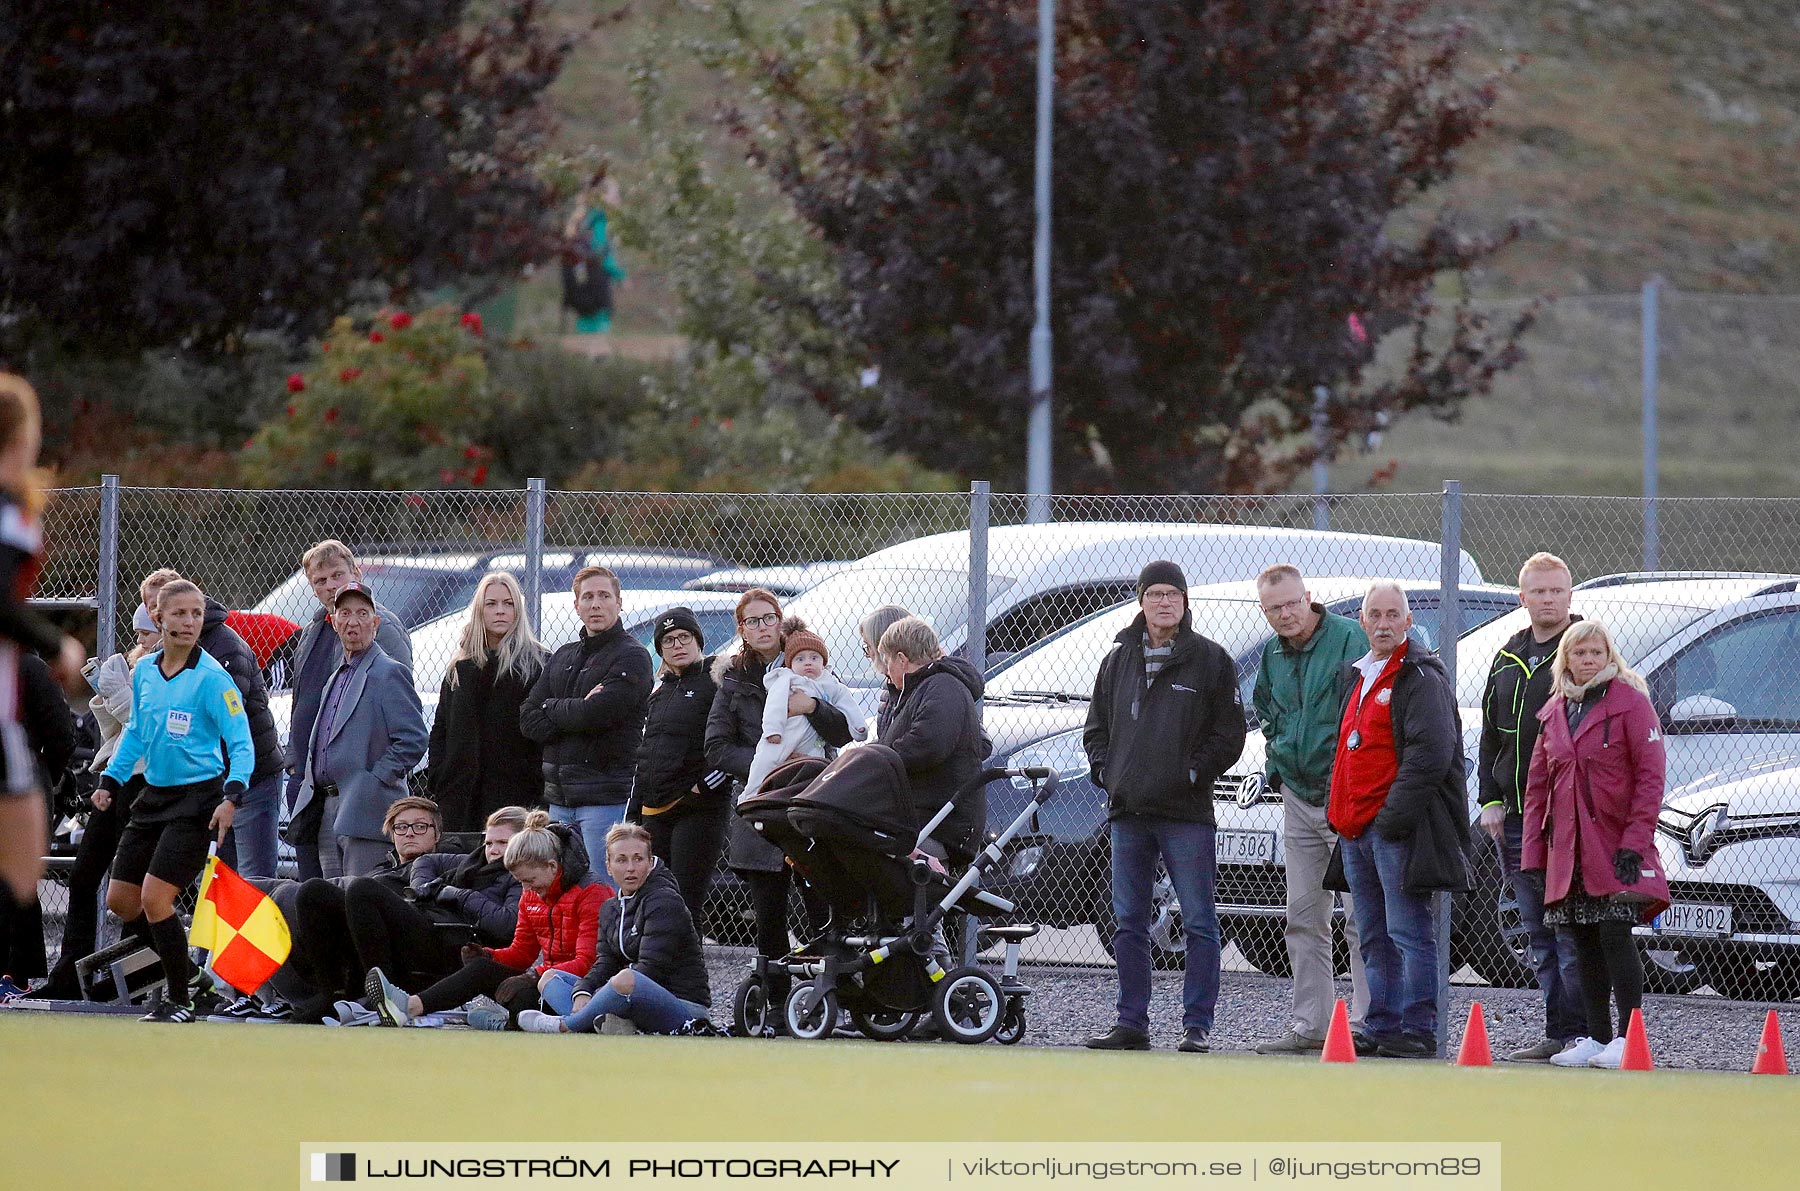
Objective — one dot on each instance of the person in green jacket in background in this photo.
(592, 299)
(1299, 702)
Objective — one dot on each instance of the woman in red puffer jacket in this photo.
(559, 923)
(1591, 801)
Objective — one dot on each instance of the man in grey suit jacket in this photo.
(329, 566)
(369, 734)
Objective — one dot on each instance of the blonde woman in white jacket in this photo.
(111, 705)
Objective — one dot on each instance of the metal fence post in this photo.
(975, 645)
(1652, 535)
(534, 551)
(1449, 625)
(107, 597)
(1321, 474)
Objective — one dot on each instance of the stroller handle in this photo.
(1033, 773)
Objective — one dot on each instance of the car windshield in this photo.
(1637, 627)
(836, 607)
(1068, 661)
(418, 594)
(293, 598)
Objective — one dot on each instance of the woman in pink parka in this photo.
(1595, 787)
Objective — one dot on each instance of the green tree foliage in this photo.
(180, 172)
(1241, 214)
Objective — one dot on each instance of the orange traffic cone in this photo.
(1637, 1046)
(1771, 1059)
(1475, 1051)
(1339, 1046)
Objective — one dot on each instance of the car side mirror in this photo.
(1702, 709)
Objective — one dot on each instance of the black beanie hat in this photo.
(678, 618)
(1162, 571)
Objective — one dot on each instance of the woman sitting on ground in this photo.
(450, 899)
(559, 916)
(324, 956)
(650, 969)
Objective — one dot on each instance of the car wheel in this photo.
(1670, 971)
(1743, 976)
(1263, 942)
(1168, 947)
(1487, 931)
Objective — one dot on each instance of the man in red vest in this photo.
(1399, 808)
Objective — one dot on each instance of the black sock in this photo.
(139, 929)
(172, 948)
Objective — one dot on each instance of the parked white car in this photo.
(1044, 577)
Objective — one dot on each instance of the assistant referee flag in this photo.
(240, 925)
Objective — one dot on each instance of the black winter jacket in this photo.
(231, 651)
(1516, 691)
(671, 761)
(480, 761)
(590, 744)
(1427, 803)
(1158, 750)
(734, 724)
(652, 933)
(452, 887)
(935, 728)
(49, 724)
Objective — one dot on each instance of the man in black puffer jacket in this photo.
(935, 727)
(1166, 720)
(250, 844)
(587, 710)
(648, 967)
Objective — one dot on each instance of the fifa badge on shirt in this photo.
(179, 723)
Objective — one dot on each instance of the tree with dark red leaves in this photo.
(1241, 215)
(179, 172)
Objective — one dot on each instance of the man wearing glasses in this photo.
(1165, 722)
(1298, 697)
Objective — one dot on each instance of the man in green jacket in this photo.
(1299, 701)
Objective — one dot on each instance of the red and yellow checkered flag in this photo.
(240, 925)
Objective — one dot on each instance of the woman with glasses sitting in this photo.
(733, 728)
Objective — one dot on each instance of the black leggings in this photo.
(1610, 971)
(93, 859)
(769, 901)
(480, 977)
(689, 837)
(322, 953)
(389, 932)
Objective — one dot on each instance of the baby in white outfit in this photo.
(801, 670)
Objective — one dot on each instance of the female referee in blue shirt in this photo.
(184, 706)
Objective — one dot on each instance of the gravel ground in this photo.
(1696, 1032)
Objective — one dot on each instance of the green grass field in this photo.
(104, 1103)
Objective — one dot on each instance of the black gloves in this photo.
(234, 793)
(1627, 866)
(110, 784)
(450, 895)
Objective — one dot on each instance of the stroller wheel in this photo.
(1012, 1026)
(814, 1022)
(751, 1011)
(968, 1005)
(884, 1025)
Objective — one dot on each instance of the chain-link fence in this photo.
(1038, 605)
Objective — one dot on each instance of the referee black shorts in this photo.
(173, 851)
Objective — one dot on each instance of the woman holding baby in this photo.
(735, 730)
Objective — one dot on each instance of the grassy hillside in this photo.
(1656, 136)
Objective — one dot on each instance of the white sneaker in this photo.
(1577, 1054)
(1610, 1055)
(533, 1021)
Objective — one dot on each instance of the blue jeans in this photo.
(652, 1008)
(1399, 944)
(593, 822)
(1552, 948)
(250, 844)
(1188, 854)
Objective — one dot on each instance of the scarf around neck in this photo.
(1575, 692)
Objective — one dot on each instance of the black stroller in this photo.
(849, 829)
